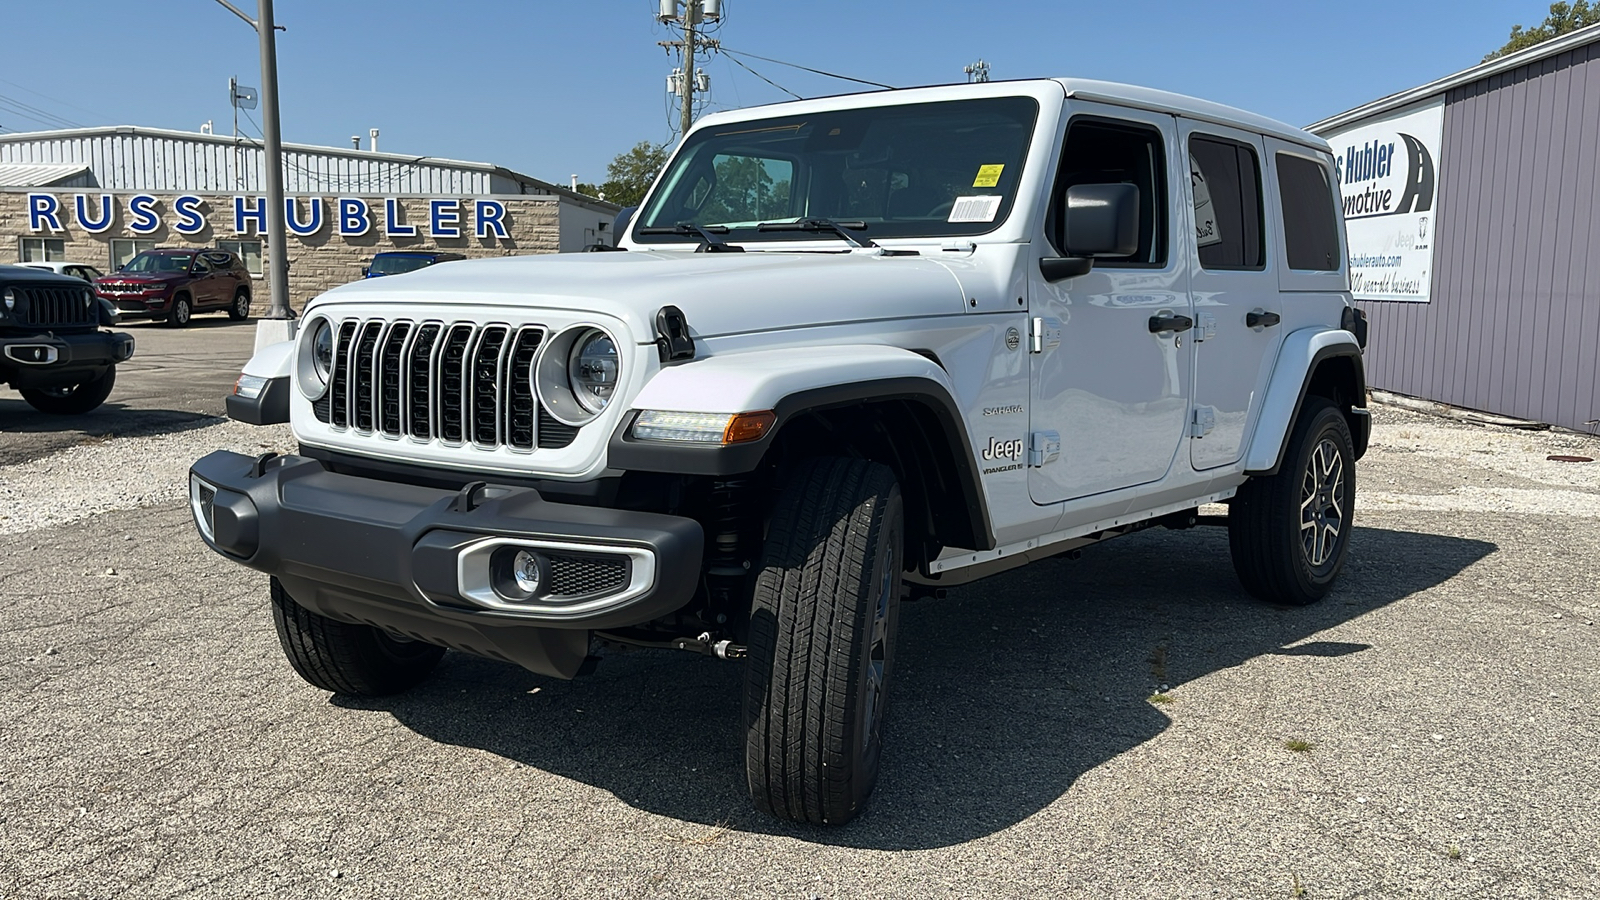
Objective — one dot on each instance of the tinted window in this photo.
(201, 266)
(1310, 232)
(395, 265)
(1105, 153)
(159, 262)
(1227, 203)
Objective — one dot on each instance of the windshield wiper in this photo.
(709, 242)
(820, 225)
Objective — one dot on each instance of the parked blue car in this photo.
(401, 261)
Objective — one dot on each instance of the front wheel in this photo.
(1290, 532)
(74, 400)
(822, 627)
(355, 660)
(182, 310)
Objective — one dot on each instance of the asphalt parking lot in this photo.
(1125, 725)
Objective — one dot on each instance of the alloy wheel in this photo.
(1322, 504)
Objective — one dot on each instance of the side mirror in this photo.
(366, 271)
(1101, 220)
(619, 225)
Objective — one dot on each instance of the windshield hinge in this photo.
(958, 247)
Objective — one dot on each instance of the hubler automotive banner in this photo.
(1388, 179)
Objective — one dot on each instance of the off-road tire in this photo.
(182, 311)
(355, 660)
(1269, 518)
(75, 400)
(239, 310)
(821, 646)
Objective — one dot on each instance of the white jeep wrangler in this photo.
(857, 349)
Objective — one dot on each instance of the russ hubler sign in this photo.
(1388, 172)
(347, 217)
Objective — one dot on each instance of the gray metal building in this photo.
(1511, 321)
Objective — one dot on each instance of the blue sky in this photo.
(555, 88)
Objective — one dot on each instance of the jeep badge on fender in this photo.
(501, 457)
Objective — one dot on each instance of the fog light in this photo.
(520, 575)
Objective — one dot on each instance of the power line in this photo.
(51, 99)
(35, 114)
(765, 78)
(809, 69)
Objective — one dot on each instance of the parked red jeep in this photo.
(171, 285)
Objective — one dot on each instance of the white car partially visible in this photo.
(76, 270)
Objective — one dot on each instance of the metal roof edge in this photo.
(1553, 47)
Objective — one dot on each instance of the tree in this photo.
(1563, 18)
(629, 175)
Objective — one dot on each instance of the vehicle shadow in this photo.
(1005, 693)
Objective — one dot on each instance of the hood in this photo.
(719, 293)
(141, 278)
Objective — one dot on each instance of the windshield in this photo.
(919, 170)
(150, 263)
(394, 265)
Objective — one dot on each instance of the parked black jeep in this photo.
(52, 348)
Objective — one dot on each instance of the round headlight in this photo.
(592, 369)
(322, 350)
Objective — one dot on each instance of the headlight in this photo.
(10, 299)
(313, 363)
(592, 370)
(577, 374)
(322, 350)
(702, 428)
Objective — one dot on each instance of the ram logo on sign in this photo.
(1388, 182)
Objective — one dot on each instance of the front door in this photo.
(1235, 288)
(1113, 363)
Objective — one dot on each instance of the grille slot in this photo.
(457, 383)
(586, 576)
(55, 307)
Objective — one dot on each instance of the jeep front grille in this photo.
(457, 383)
(55, 307)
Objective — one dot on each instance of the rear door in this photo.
(1234, 282)
(202, 282)
(1114, 392)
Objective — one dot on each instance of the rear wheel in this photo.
(823, 622)
(357, 660)
(74, 400)
(1290, 532)
(240, 309)
(181, 311)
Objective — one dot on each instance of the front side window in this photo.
(1105, 152)
(1310, 232)
(1227, 203)
(123, 251)
(42, 250)
(918, 170)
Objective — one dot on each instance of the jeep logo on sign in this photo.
(999, 449)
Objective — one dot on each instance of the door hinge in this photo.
(1044, 333)
(1205, 327)
(1043, 447)
(1203, 421)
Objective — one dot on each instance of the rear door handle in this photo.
(1160, 323)
(1259, 319)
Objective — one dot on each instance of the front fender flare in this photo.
(792, 382)
(271, 407)
(1298, 359)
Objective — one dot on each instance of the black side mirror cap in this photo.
(1102, 220)
(1059, 268)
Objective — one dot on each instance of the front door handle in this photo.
(1259, 319)
(1160, 323)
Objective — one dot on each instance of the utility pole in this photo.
(685, 82)
(272, 161)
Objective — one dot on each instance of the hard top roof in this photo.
(1077, 88)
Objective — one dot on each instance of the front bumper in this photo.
(420, 562)
(46, 360)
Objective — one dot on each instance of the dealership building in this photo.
(100, 195)
(1472, 206)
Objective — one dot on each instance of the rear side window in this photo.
(1227, 203)
(1310, 232)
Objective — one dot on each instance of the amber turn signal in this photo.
(750, 426)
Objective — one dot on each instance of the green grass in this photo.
(1298, 746)
(1160, 699)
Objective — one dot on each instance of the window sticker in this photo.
(988, 176)
(982, 208)
(1206, 231)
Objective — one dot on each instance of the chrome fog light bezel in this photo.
(206, 524)
(475, 577)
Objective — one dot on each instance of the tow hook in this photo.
(704, 644)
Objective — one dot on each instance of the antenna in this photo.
(977, 73)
